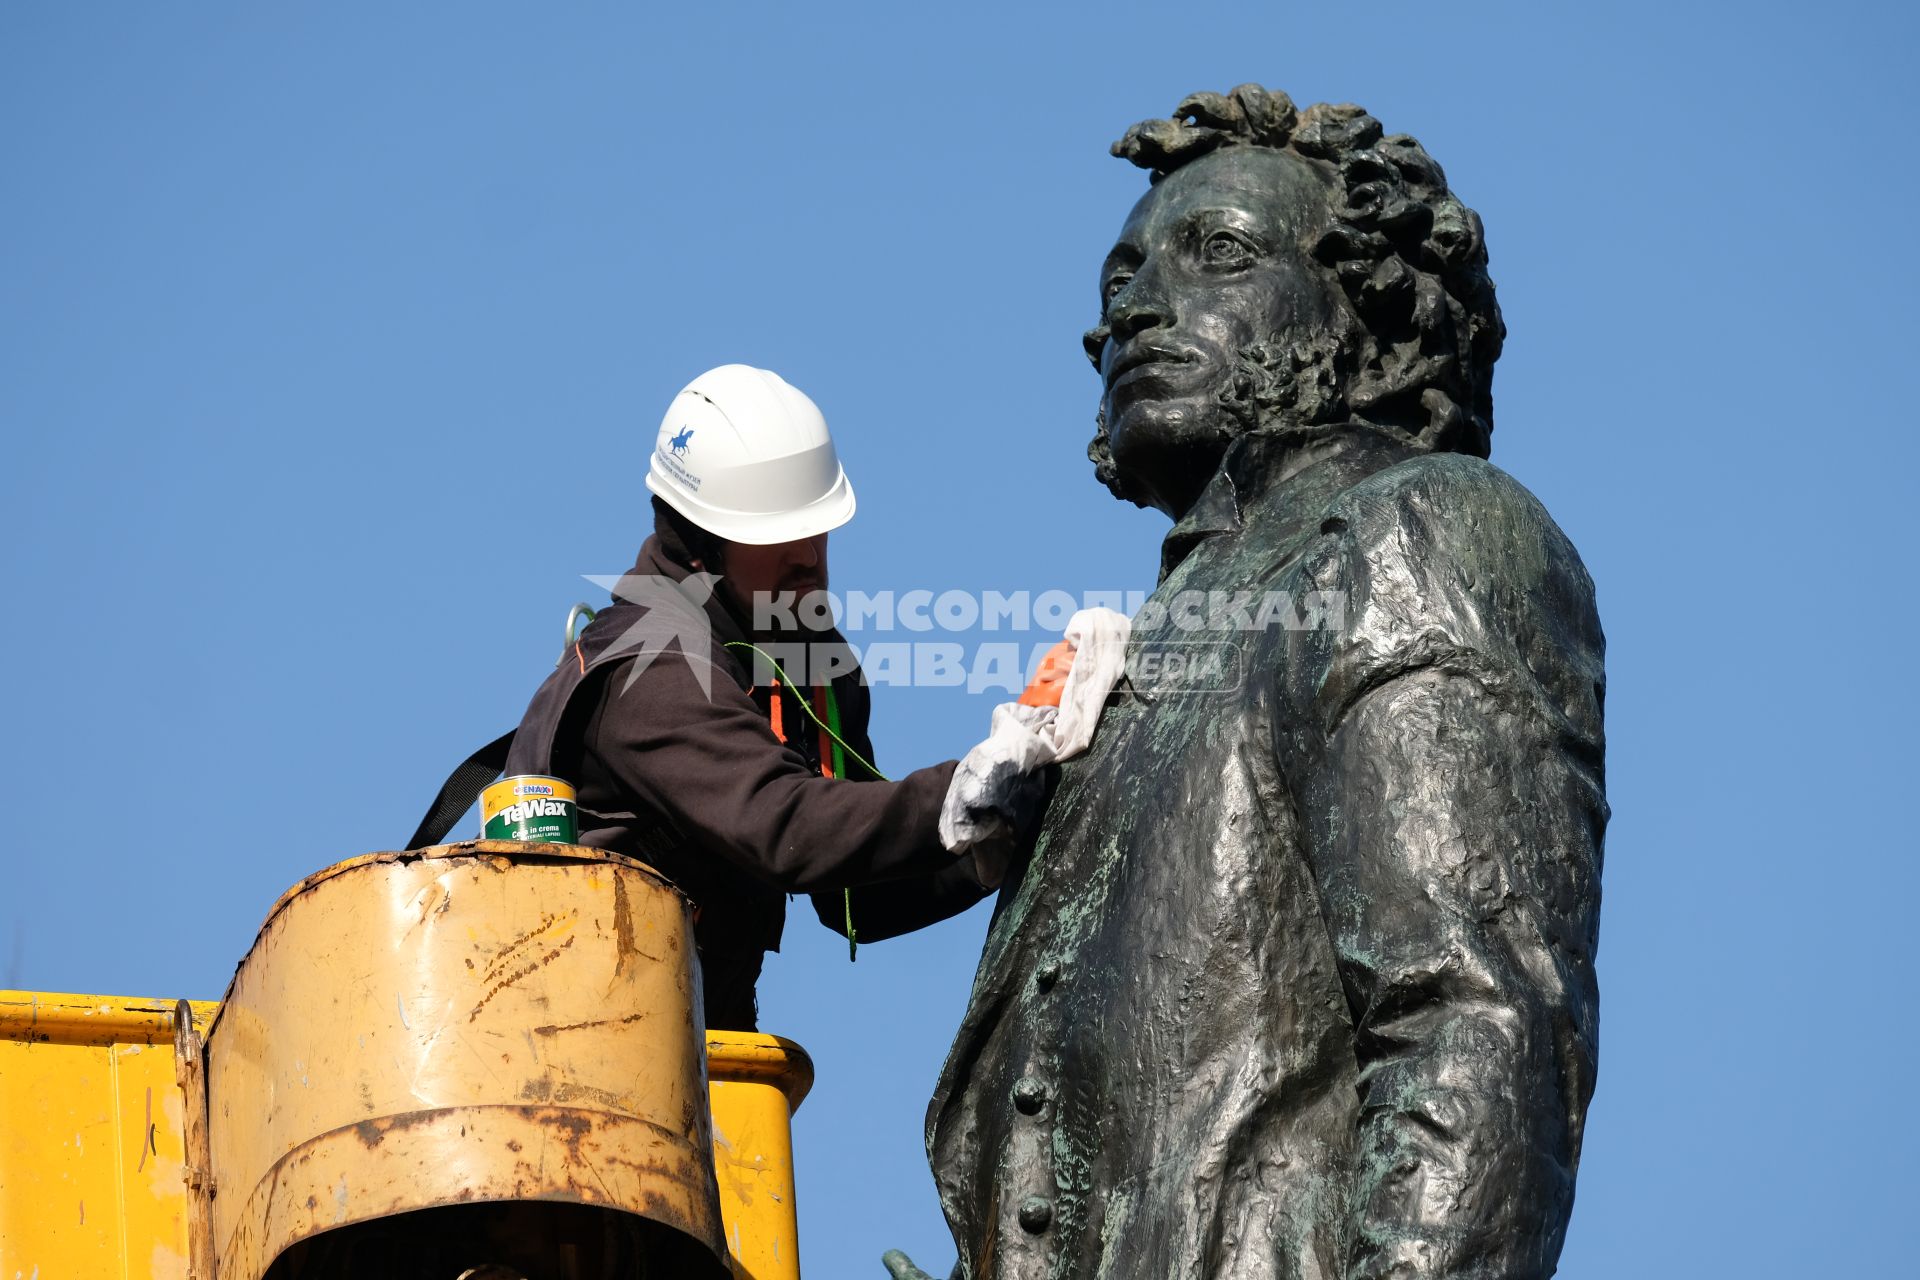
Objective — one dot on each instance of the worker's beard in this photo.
(784, 615)
(813, 614)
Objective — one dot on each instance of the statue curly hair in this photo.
(1415, 352)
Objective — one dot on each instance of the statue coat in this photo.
(1298, 979)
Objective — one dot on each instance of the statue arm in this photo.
(1458, 823)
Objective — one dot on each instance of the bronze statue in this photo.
(1298, 980)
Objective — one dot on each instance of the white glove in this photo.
(998, 784)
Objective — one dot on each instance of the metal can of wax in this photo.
(528, 807)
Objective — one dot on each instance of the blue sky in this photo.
(333, 341)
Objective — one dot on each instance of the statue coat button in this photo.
(1029, 1095)
(1036, 1213)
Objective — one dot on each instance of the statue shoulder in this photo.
(1447, 561)
(1461, 517)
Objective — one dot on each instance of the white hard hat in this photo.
(748, 458)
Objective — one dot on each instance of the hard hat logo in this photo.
(679, 442)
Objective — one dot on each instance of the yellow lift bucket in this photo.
(480, 1022)
(472, 1055)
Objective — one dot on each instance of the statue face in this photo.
(1213, 259)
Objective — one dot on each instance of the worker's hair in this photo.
(684, 541)
(1416, 353)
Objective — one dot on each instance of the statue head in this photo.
(1285, 271)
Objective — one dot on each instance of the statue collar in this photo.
(1268, 466)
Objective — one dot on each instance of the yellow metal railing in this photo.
(92, 1143)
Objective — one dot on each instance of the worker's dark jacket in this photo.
(658, 725)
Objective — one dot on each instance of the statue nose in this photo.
(1135, 315)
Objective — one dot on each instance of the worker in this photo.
(694, 749)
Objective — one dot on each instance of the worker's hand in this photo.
(901, 1267)
(1000, 786)
(1077, 676)
(1051, 679)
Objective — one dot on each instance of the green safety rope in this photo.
(840, 753)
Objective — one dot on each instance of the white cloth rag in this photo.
(984, 800)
